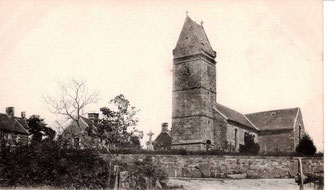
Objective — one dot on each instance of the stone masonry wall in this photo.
(221, 166)
(299, 122)
(282, 142)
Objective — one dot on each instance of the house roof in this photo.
(233, 115)
(167, 132)
(73, 128)
(274, 119)
(193, 36)
(14, 124)
(87, 121)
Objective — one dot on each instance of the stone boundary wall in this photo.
(218, 166)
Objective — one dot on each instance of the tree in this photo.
(38, 129)
(306, 146)
(71, 100)
(117, 128)
(250, 146)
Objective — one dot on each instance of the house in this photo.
(163, 140)
(199, 122)
(14, 129)
(76, 136)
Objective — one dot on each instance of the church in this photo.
(199, 122)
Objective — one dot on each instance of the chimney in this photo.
(165, 127)
(10, 111)
(23, 115)
(93, 116)
(35, 116)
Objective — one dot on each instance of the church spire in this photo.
(193, 40)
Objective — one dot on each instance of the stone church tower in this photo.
(194, 89)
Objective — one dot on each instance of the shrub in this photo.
(249, 145)
(47, 164)
(143, 174)
(306, 146)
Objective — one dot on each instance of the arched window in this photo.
(208, 144)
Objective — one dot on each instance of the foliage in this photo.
(38, 129)
(117, 127)
(306, 146)
(210, 152)
(49, 164)
(250, 146)
(143, 174)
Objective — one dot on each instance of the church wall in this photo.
(299, 122)
(192, 129)
(220, 132)
(231, 128)
(224, 134)
(187, 74)
(192, 102)
(277, 142)
(190, 147)
(208, 76)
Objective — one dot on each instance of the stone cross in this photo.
(149, 143)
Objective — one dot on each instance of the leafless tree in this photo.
(71, 100)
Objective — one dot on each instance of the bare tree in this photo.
(71, 100)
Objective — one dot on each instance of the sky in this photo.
(269, 54)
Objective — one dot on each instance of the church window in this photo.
(273, 113)
(235, 138)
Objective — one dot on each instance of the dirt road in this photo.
(237, 184)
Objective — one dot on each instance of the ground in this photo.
(237, 184)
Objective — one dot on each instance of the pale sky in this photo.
(269, 54)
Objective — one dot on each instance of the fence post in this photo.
(301, 175)
(116, 174)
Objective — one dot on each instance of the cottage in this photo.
(76, 136)
(163, 140)
(14, 129)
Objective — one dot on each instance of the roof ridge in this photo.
(297, 108)
(235, 118)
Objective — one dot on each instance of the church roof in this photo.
(193, 39)
(274, 119)
(233, 115)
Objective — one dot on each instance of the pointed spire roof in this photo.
(193, 40)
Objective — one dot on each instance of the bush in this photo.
(144, 174)
(249, 145)
(306, 146)
(47, 164)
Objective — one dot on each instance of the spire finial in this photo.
(186, 12)
(201, 23)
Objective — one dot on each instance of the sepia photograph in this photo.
(171, 95)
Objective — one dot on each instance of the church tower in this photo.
(194, 89)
